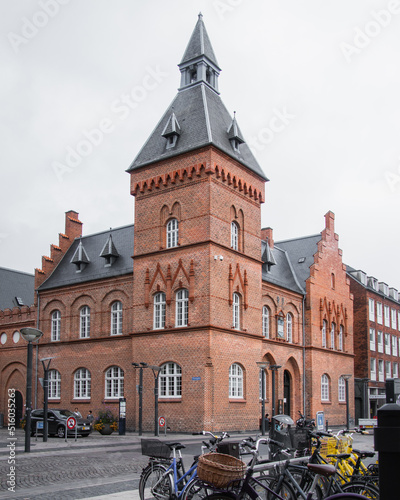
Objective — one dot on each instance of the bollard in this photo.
(387, 444)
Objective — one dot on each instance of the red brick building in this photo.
(207, 295)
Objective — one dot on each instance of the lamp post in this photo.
(29, 334)
(262, 365)
(140, 391)
(46, 367)
(346, 379)
(156, 371)
(274, 369)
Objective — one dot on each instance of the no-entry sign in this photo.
(161, 421)
(71, 422)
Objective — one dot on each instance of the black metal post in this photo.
(46, 368)
(274, 368)
(156, 428)
(262, 402)
(347, 405)
(140, 400)
(28, 401)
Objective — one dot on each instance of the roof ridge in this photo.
(16, 271)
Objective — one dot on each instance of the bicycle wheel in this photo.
(362, 488)
(152, 484)
(283, 489)
(196, 489)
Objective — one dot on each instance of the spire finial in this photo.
(200, 16)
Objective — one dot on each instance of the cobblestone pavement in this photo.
(97, 467)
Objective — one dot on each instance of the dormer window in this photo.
(80, 258)
(171, 131)
(234, 135)
(109, 252)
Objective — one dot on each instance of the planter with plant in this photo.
(105, 422)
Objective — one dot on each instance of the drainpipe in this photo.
(304, 357)
(37, 350)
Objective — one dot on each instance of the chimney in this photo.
(73, 226)
(267, 234)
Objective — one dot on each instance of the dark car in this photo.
(56, 420)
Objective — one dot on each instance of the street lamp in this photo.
(46, 367)
(262, 365)
(274, 369)
(30, 335)
(140, 391)
(346, 379)
(156, 371)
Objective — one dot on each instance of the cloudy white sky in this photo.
(330, 68)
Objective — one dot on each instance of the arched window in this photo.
(170, 381)
(236, 311)
(54, 384)
(234, 236)
(116, 318)
(114, 382)
(159, 310)
(172, 233)
(55, 325)
(289, 327)
(265, 322)
(324, 387)
(324, 324)
(340, 338)
(82, 384)
(182, 307)
(235, 381)
(342, 390)
(280, 326)
(333, 329)
(84, 330)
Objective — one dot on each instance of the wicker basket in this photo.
(155, 448)
(219, 469)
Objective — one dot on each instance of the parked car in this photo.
(56, 420)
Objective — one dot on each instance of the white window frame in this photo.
(341, 390)
(379, 313)
(332, 336)
(395, 370)
(234, 235)
(387, 343)
(82, 384)
(371, 309)
(324, 387)
(398, 320)
(372, 339)
(280, 326)
(172, 233)
(289, 327)
(394, 345)
(381, 374)
(236, 311)
(373, 368)
(159, 310)
(324, 325)
(340, 338)
(265, 322)
(54, 387)
(116, 318)
(387, 315)
(170, 381)
(56, 326)
(380, 341)
(114, 383)
(235, 381)
(84, 322)
(394, 318)
(182, 307)
(388, 369)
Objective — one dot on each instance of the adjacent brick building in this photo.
(207, 295)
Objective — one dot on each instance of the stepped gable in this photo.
(117, 244)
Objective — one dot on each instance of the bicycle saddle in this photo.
(322, 469)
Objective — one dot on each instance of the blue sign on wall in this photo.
(196, 378)
(320, 421)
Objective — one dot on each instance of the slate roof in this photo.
(204, 120)
(199, 45)
(297, 250)
(15, 284)
(66, 272)
(282, 273)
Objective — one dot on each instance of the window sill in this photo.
(83, 400)
(326, 402)
(239, 400)
(169, 400)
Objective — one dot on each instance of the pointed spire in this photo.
(199, 45)
(234, 134)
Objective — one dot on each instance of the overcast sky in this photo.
(315, 86)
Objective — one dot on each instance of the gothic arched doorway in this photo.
(286, 392)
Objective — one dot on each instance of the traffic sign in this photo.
(161, 421)
(71, 422)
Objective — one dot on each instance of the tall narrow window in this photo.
(182, 307)
(114, 383)
(379, 313)
(55, 326)
(234, 236)
(54, 384)
(236, 311)
(340, 338)
(172, 233)
(371, 309)
(116, 318)
(333, 329)
(324, 325)
(170, 381)
(342, 389)
(159, 311)
(289, 327)
(84, 330)
(82, 384)
(235, 381)
(324, 387)
(372, 344)
(373, 368)
(333, 280)
(280, 327)
(265, 322)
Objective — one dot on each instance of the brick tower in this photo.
(197, 255)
